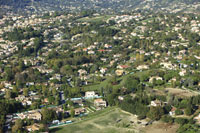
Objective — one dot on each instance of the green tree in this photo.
(181, 121)
(57, 100)
(131, 83)
(72, 112)
(25, 92)
(155, 113)
(21, 65)
(54, 91)
(15, 91)
(8, 94)
(9, 74)
(189, 110)
(18, 126)
(178, 112)
(44, 90)
(48, 115)
(167, 119)
(65, 107)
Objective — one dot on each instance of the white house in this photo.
(142, 67)
(156, 78)
(90, 94)
(182, 72)
(172, 112)
(156, 103)
(197, 118)
(100, 103)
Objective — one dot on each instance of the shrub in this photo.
(178, 112)
(167, 119)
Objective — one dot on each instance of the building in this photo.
(156, 78)
(121, 98)
(90, 94)
(156, 103)
(197, 118)
(35, 115)
(119, 72)
(79, 111)
(122, 66)
(172, 111)
(142, 67)
(100, 103)
(34, 127)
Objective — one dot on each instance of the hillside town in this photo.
(58, 68)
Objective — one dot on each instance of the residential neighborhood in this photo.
(59, 69)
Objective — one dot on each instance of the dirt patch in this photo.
(181, 92)
(160, 127)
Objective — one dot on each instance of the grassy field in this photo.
(114, 120)
(160, 127)
(97, 86)
(111, 120)
(103, 84)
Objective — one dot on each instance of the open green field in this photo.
(110, 120)
(96, 87)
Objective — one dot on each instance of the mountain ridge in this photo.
(103, 5)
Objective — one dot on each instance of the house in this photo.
(167, 65)
(55, 121)
(104, 59)
(172, 80)
(142, 67)
(103, 70)
(121, 98)
(79, 102)
(35, 115)
(119, 72)
(46, 100)
(156, 103)
(20, 98)
(107, 46)
(26, 102)
(155, 77)
(182, 72)
(101, 50)
(100, 103)
(79, 111)
(7, 84)
(30, 83)
(90, 94)
(172, 111)
(197, 118)
(91, 52)
(34, 127)
(32, 93)
(82, 72)
(122, 67)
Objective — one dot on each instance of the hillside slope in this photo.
(104, 5)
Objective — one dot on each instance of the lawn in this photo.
(97, 86)
(110, 120)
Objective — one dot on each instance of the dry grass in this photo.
(181, 92)
(160, 127)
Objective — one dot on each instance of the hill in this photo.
(104, 5)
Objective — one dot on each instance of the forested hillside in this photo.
(104, 5)
(15, 3)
